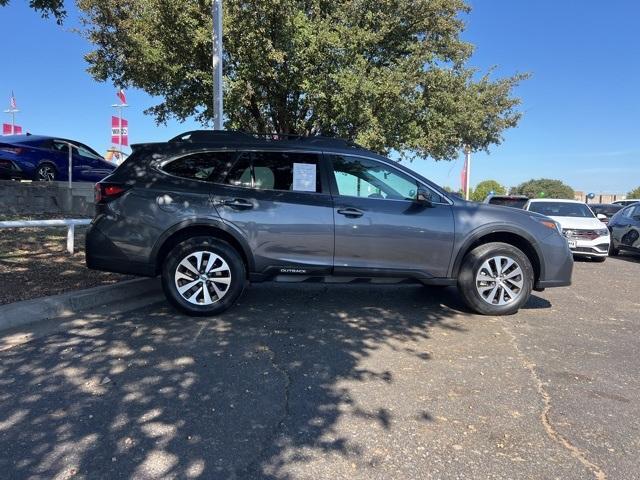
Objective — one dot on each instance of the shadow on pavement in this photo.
(157, 394)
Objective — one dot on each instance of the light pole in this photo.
(216, 14)
(12, 111)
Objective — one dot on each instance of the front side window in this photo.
(205, 166)
(360, 177)
(284, 171)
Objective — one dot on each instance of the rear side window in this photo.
(205, 166)
(285, 171)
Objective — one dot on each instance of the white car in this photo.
(586, 234)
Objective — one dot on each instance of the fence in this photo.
(69, 223)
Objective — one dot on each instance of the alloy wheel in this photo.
(202, 278)
(46, 173)
(500, 280)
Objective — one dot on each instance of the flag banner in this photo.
(12, 102)
(120, 95)
(6, 129)
(117, 130)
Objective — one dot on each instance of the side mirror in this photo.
(601, 216)
(423, 196)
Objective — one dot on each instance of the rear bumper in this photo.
(101, 254)
(9, 169)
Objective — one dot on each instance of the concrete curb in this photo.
(68, 304)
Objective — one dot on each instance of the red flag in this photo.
(121, 96)
(463, 178)
(117, 130)
(6, 129)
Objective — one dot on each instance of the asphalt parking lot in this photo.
(327, 382)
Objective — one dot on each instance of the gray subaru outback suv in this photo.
(212, 211)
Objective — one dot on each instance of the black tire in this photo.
(221, 249)
(472, 264)
(598, 259)
(46, 172)
(613, 251)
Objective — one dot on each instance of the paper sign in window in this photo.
(304, 177)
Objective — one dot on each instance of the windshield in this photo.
(561, 209)
(509, 201)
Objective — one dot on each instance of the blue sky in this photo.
(581, 107)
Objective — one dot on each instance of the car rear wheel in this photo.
(496, 279)
(203, 276)
(46, 173)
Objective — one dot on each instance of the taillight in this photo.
(105, 192)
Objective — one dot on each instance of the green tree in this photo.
(388, 74)
(635, 193)
(46, 8)
(485, 187)
(545, 188)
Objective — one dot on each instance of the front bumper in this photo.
(556, 263)
(598, 247)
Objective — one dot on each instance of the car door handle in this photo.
(237, 203)
(350, 212)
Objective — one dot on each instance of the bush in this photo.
(485, 188)
(545, 188)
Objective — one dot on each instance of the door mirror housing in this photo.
(601, 216)
(423, 196)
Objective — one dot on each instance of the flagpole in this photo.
(467, 152)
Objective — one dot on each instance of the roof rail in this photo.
(238, 136)
(211, 135)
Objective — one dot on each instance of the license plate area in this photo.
(572, 243)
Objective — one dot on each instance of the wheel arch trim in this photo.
(203, 224)
(495, 230)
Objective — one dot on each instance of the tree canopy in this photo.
(635, 193)
(545, 188)
(484, 188)
(46, 8)
(388, 74)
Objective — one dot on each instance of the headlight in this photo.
(602, 232)
(549, 223)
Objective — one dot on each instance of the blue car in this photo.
(46, 159)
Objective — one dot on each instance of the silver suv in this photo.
(212, 211)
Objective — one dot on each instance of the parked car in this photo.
(210, 210)
(515, 201)
(46, 159)
(625, 230)
(628, 201)
(585, 232)
(608, 210)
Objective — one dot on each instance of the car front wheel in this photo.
(496, 279)
(203, 276)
